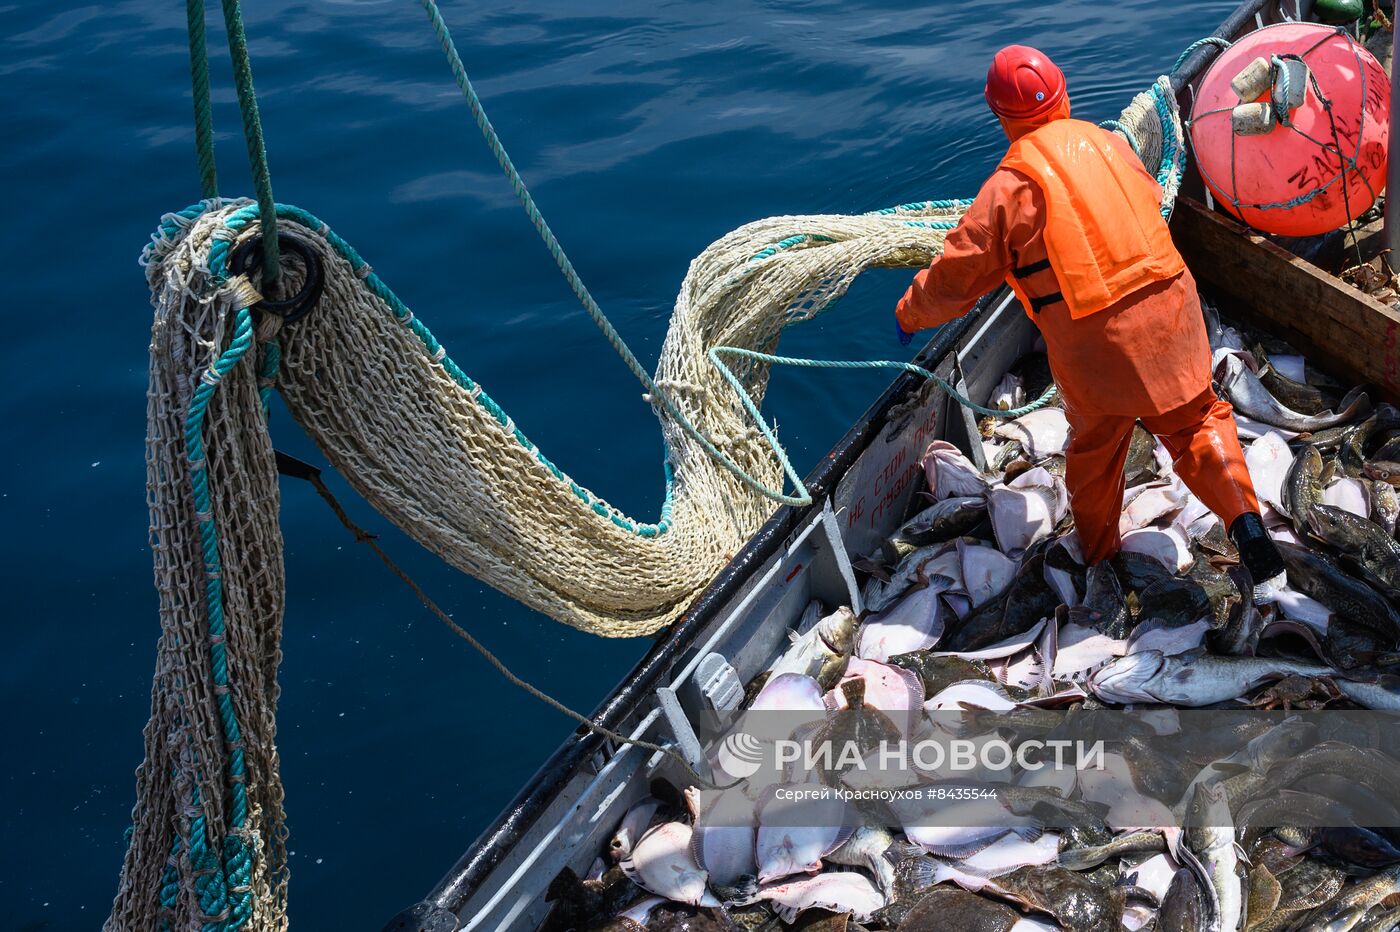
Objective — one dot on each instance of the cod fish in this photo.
(1351, 905)
(1351, 453)
(1188, 905)
(1191, 680)
(1320, 578)
(1374, 552)
(1302, 487)
(1387, 471)
(822, 650)
(1300, 396)
(1385, 506)
(1249, 395)
(1382, 920)
(1207, 846)
(1381, 693)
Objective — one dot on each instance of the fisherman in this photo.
(1071, 221)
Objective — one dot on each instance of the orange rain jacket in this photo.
(1144, 353)
(1117, 307)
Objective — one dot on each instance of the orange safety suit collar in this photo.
(1098, 256)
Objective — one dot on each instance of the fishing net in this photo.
(427, 447)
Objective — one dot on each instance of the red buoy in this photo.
(1294, 170)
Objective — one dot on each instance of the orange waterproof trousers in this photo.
(1201, 437)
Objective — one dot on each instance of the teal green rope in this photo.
(1199, 43)
(1114, 126)
(586, 299)
(223, 879)
(253, 136)
(716, 351)
(203, 108)
(952, 203)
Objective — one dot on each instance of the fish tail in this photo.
(1028, 830)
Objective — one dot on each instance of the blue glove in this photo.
(905, 337)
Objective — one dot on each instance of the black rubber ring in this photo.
(247, 256)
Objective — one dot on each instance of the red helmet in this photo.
(1023, 83)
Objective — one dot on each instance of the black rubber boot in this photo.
(1257, 550)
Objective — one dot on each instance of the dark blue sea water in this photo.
(646, 130)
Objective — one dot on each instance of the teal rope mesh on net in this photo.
(222, 879)
(1173, 150)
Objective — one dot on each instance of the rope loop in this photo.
(1219, 41)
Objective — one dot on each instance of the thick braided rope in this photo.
(222, 880)
(1199, 43)
(253, 136)
(203, 107)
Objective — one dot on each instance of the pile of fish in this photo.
(981, 601)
